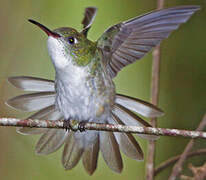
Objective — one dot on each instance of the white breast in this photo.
(75, 97)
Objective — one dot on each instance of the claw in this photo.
(66, 125)
(73, 125)
(81, 126)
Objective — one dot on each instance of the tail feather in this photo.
(90, 157)
(110, 151)
(49, 113)
(50, 141)
(31, 131)
(139, 106)
(32, 102)
(129, 118)
(127, 142)
(87, 144)
(72, 153)
(27, 83)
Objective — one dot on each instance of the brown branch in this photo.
(174, 159)
(32, 123)
(35, 123)
(199, 173)
(154, 99)
(178, 166)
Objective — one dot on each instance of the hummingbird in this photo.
(84, 90)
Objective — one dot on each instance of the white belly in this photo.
(76, 99)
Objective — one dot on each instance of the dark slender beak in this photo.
(45, 29)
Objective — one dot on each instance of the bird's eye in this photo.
(71, 40)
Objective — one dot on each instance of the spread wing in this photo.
(89, 16)
(124, 43)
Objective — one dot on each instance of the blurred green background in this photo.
(182, 83)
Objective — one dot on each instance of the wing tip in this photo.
(195, 7)
(15, 106)
(159, 113)
(11, 80)
(139, 156)
(117, 170)
(66, 165)
(183, 7)
(10, 104)
(151, 110)
(92, 7)
(39, 152)
(19, 130)
(90, 172)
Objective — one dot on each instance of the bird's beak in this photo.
(45, 29)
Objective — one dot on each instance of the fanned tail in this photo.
(28, 83)
(139, 106)
(32, 102)
(72, 152)
(85, 145)
(110, 151)
(90, 157)
(47, 113)
(124, 107)
(81, 144)
(127, 117)
(127, 143)
(50, 141)
(122, 114)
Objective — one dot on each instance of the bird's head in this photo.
(66, 45)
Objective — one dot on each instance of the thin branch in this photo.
(199, 173)
(178, 166)
(154, 99)
(35, 123)
(32, 123)
(174, 159)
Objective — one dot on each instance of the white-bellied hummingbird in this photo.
(84, 91)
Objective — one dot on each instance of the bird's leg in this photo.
(71, 124)
(74, 125)
(66, 125)
(81, 126)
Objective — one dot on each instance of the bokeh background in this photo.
(182, 83)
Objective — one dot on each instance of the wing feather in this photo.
(50, 113)
(90, 157)
(129, 118)
(32, 102)
(110, 151)
(50, 141)
(124, 43)
(139, 106)
(72, 152)
(89, 16)
(27, 83)
(127, 142)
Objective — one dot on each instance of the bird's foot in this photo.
(81, 126)
(74, 125)
(71, 125)
(66, 125)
